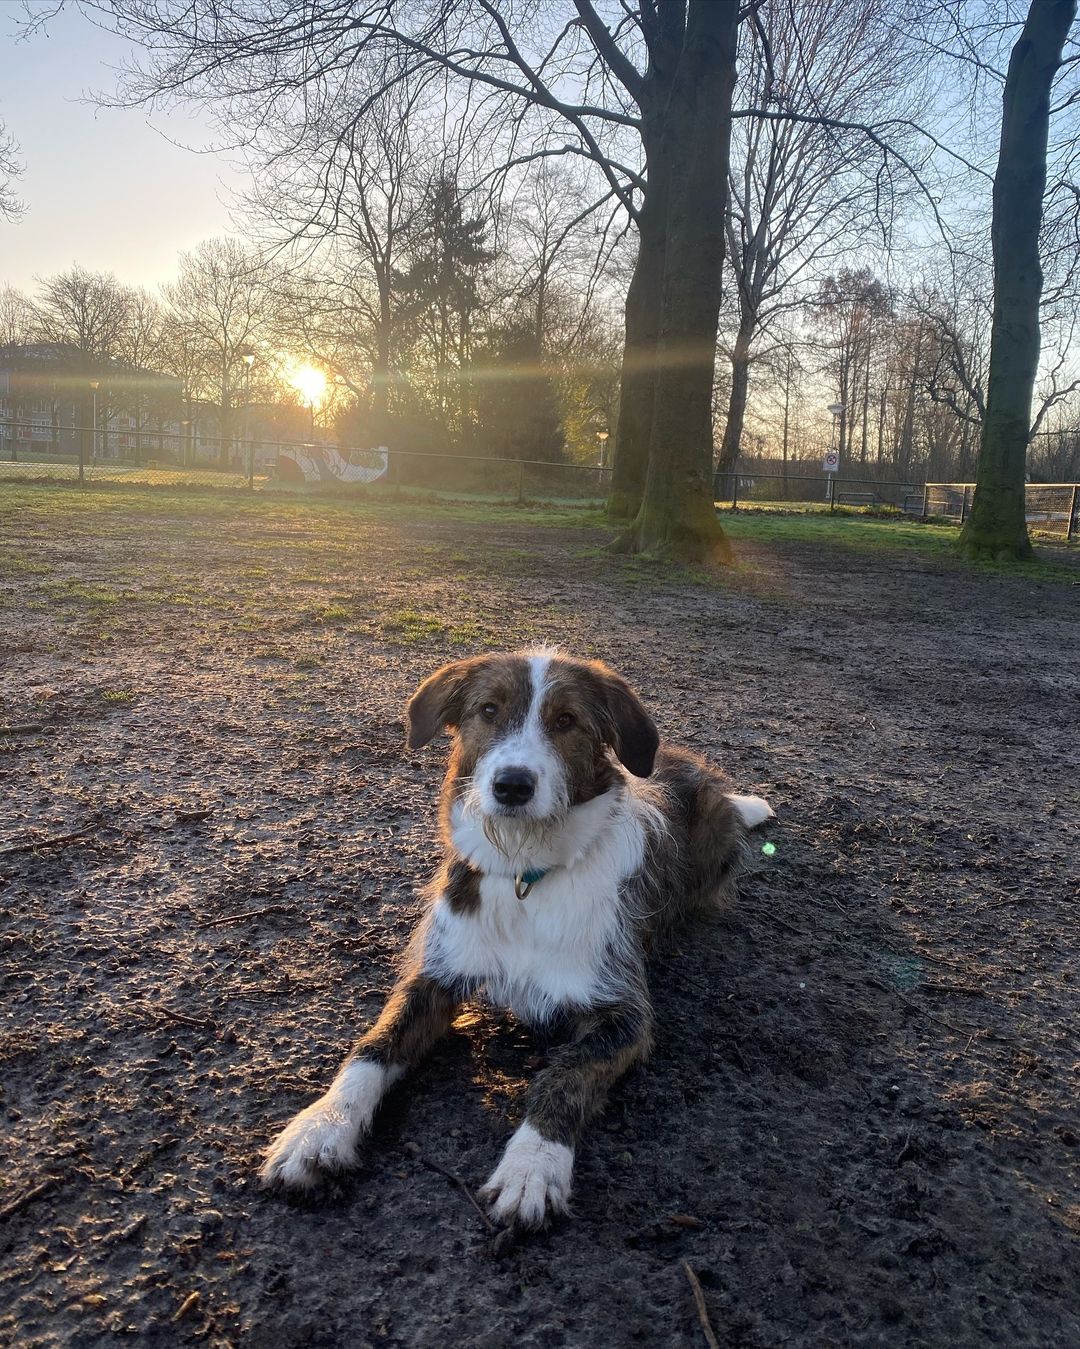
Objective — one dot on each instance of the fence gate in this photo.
(1051, 508)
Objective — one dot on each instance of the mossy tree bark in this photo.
(677, 515)
(997, 526)
(663, 27)
(638, 383)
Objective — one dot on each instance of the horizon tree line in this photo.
(783, 144)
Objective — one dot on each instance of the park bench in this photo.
(856, 499)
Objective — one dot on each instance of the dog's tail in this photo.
(752, 810)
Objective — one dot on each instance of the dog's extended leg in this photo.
(533, 1177)
(324, 1136)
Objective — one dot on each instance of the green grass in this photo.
(88, 509)
(409, 627)
(332, 613)
(881, 537)
(324, 538)
(73, 592)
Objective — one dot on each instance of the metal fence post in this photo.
(1072, 515)
(925, 499)
(251, 466)
(833, 493)
(521, 482)
(963, 505)
(735, 486)
(82, 455)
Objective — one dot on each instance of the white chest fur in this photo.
(564, 946)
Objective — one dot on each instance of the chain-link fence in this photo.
(763, 486)
(147, 457)
(154, 458)
(1051, 507)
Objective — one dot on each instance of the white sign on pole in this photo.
(832, 462)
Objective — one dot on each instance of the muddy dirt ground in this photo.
(860, 1124)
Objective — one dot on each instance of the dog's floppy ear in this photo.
(437, 702)
(634, 736)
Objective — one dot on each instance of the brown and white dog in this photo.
(572, 837)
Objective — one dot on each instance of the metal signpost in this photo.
(831, 462)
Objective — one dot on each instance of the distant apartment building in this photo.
(55, 401)
(38, 409)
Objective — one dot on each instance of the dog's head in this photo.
(533, 731)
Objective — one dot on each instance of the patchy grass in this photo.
(411, 627)
(336, 520)
(880, 536)
(890, 1005)
(118, 697)
(318, 541)
(332, 613)
(73, 592)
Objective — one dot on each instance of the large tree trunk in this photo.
(677, 514)
(997, 526)
(643, 313)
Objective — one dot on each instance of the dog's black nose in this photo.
(514, 786)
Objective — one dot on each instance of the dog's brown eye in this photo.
(489, 711)
(565, 721)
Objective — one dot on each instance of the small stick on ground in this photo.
(27, 1197)
(55, 842)
(920, 1011)
(702, 1310)
(463, 1188)
(780, 922)
(239, 917)
(23, 728)
(181, 1017)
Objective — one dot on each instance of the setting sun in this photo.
(309, 382)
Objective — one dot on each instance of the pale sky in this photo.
(103, 187)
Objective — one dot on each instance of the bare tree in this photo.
(997, 526)
(344, 189)
(551, 269)
(221, 302)
(16, 318)
(184, 355)
(801, 190)
(677, 512)
(139, 348)
(10, 169)
(83, 310)
(540, 80)
(852, 309)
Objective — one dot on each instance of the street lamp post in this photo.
(95, 384)
(837, 411)
(602, 437)
(248, 357)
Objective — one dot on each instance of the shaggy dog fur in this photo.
(572, 839)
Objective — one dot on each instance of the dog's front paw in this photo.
(532, 1180)
(320, 1139)
(323, 1137)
